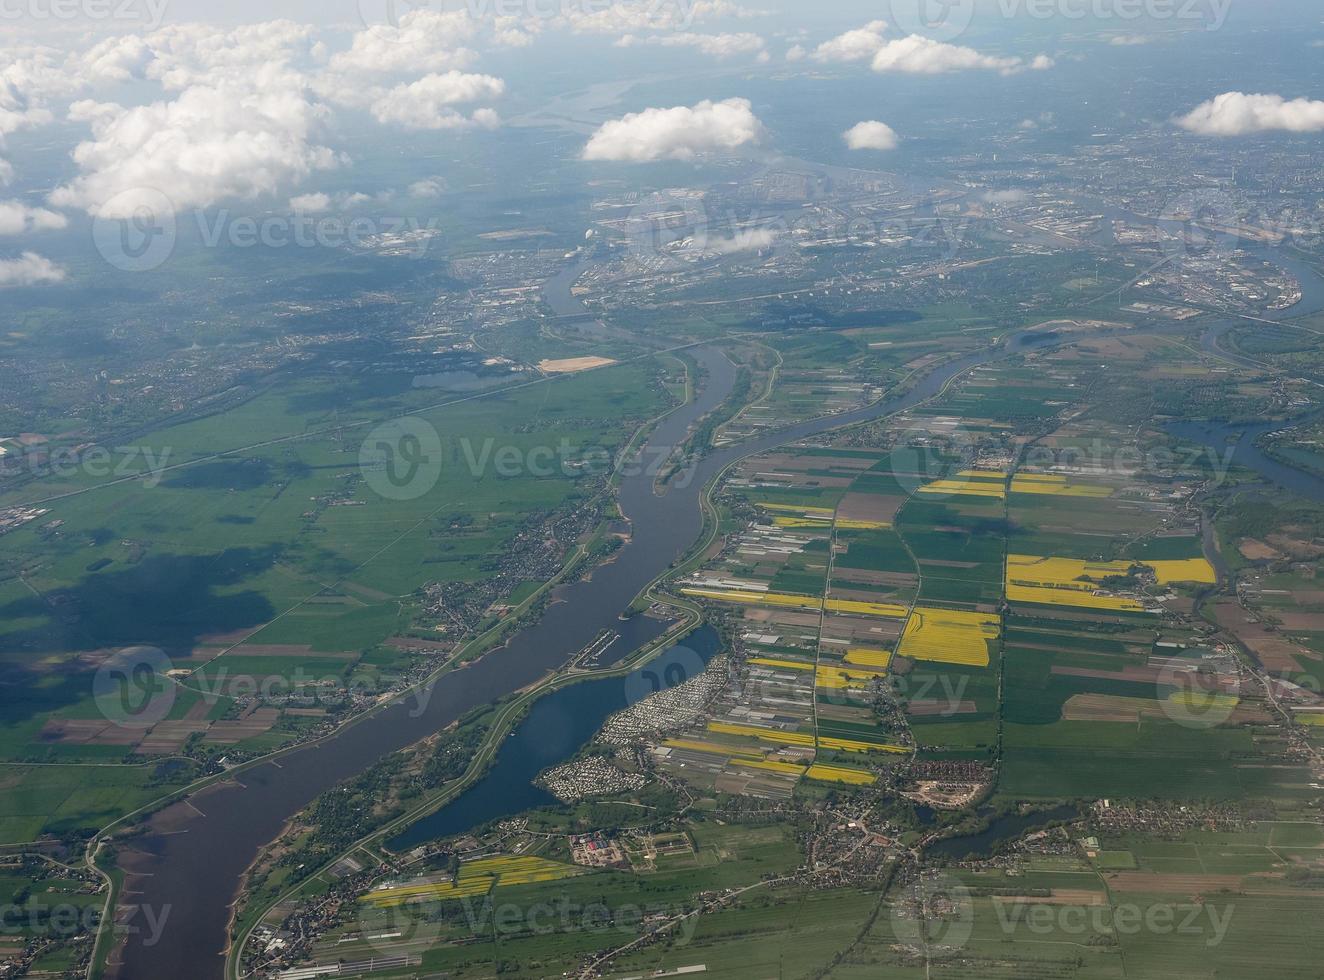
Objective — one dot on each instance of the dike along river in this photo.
(191, 859)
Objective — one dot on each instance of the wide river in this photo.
(193, 857)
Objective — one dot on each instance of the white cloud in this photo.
(1131, 40)
(857, 45)
(922, 56)
(17, 218)
(871, 135)
(231, 139)
(184, 55)
(679, 133)
(428, 103)
(319, 202)
(751, 240)
(714, 45)
(29, 270)
(311, 203)
(796, 53)
(432, 187)
(424, 40)
(1237, 113)
(31, 76)
(118, 59)
(916, 54)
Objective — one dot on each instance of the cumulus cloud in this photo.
(750, 240)
(184, 55)
(1237, 114)
(871, 135)
(429, 102)
(231, 139)
(796, 53)
(923, 56)
(432, 187)
(679, 133)
(319, 203)
(424, 40)
(31, 76)
(17, 218)
(1130, 40)
(916, 54)
(29, 269)
(714, 45)
(311, 203)
(857, 45)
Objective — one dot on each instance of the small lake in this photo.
(1008, 828)
(554, 730)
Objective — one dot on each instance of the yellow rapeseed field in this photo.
(1071, 582)
(1196, 570)
(888, 609)
(866, 657)
(1044, 483)
(841, 774)
(1203, 700)
(801, 739)
(803, 523)
(837, 677)
(966, 488)
(782, 664)
(796, 509)
(949, 637)
(476, 878)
